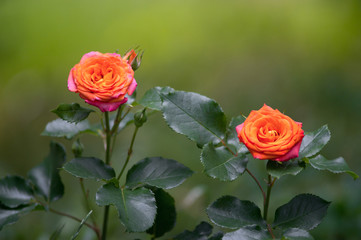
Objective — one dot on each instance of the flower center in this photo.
(268, 135)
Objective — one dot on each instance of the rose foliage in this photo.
(139, 195)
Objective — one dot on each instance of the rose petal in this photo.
(293, 153)
(106, 106)
(71, 83)
(89, 54)
(132, 87)
(239, 128)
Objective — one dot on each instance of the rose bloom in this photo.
(103, 80)
(269, 134)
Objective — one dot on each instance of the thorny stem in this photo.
(130, 151)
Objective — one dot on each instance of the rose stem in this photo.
(130, 151)
(107, 161)
(270, 184)
(94, 228)
(248, 171)
(117, 121)
(87, 205)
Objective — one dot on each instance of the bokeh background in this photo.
(302, 57)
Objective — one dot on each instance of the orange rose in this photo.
(103, 80)
(269, 134)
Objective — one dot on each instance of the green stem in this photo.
(130, 151)
(87, 204)
(248, 171)
(108, 138)
(270, 184)
(117, 120)
(94, 228)
(259, 185)
(107, 161)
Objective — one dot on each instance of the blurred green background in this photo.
(302, 57)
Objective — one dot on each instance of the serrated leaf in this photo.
(201, 232)
(166, 214)
(232, 136)
(158, 172)
(136, 208)
(220, 163)
(61, 128)
(297, 234)
(279, 169)
(12, 215)
(337, 165)
(152, 99)
(305, 211)
(230, 212)
(73, 113)
(89, 167)
(45, 177)
(200, 118)
(247, 233)
(313, 142)
(15, 191)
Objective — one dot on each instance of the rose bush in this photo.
(103, 80)
(269, 134)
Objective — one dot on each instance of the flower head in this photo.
(103, 80)
(269, 134)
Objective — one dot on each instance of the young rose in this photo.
(269, 134)
(103, 80)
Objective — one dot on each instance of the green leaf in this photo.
(313, 142)
(297, 234)
(305, 211)
(12, 215)
(152, 99)
(337, 165)
(201, 232)
(230, 212)
(158, 172)
(136, 208)
(89, 167)
(247, 233)
(15, 191)
(200, 118)
(81, 225)
(166, 214)
(45, 177)
(232, 136)
(73, 113)
(279, 169)
(61, 128)
(220, 163)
